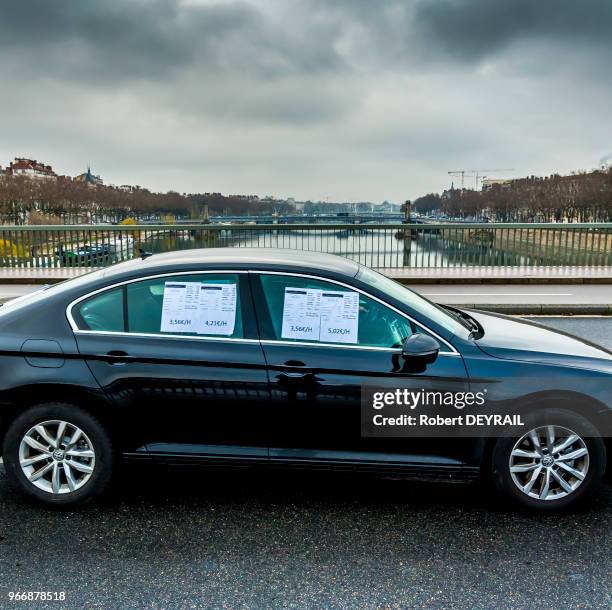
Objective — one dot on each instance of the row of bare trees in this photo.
(26, 200)
(584, 197)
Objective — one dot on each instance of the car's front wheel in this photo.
(558, 462)
(58, 454)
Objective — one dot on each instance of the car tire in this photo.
(68, 444)
(521, 471)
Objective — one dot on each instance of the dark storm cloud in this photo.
(343, 98)
(472, 29)
(467, 30)
(110, 41)
(152, 39)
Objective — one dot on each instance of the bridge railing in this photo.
(437, 245)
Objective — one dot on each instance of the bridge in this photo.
(366, 240)
(365, 217)
(272, 219)
(361, 218)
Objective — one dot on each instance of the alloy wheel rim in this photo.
(549, 462)
(57, 457)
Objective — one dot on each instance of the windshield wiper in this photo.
(456, 315)
(476, 330)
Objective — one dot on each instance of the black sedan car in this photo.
(282, 358)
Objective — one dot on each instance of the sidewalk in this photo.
(518, 291)
(12, 275)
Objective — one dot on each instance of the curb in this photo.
(528, 309)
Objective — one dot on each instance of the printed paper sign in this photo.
(193, 307)
(339, 316)
(301, 314)
(311, 314)
(217, 305)
(180, 307)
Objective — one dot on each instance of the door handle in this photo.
(304, 379)
(117, 357)
(297, 372)
(291, 375)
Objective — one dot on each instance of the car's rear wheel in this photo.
(558, 462)
(58, 454)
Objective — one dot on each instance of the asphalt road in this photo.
(255, 539)
(597, 329)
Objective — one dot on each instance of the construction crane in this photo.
(477, 174)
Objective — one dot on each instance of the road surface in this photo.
(300, 540)
(597, 329)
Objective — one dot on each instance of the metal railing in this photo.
(377, 245)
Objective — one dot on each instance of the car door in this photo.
(317, 377)
(180, 358)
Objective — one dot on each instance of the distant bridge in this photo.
(306, 219)
(365, 218)
(311, 219)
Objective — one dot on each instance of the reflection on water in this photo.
(371, 247)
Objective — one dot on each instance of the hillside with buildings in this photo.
(31, 192)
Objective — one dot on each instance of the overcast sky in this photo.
(348, 99)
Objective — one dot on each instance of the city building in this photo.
(89, 178)
(489, 183)
(30, 168)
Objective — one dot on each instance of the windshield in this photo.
(416, 302)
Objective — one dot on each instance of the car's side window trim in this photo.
(79, 331)
(452, 351)
(76, 318)
(126, 316)
(112, 333)
(371, 348)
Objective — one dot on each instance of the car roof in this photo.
(254, 258)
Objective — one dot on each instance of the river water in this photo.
(371, 247)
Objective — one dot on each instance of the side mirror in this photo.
(420, 347)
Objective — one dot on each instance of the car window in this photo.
(414, 301)
(305, 309)
(186, 305)
(102, 312)
(189, 305)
